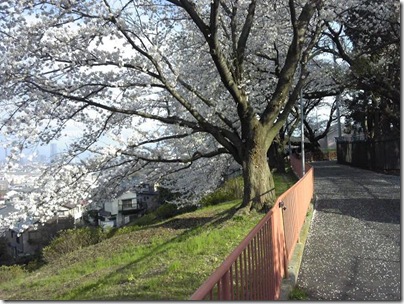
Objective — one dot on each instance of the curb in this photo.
(290, 281)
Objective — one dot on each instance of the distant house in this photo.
(73, 210)
(3, 188)
(27, 239)
(148, 195)
(121, 210)
(128, 205)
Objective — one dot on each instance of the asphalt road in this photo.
(353, 248)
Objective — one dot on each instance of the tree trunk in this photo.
(259, 190)
(317, 152)
(276, 157)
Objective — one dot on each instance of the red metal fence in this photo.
(297, 166)
(255, 269)
(296, 201)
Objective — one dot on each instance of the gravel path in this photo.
(353, 249)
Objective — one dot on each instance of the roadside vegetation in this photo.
(298, 294)
(165, 255)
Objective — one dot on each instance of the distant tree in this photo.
(217, 79)
(315, 129)
(166, 195)
(319, 94)
(368, 41)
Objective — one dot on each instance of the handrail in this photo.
(255, 268)
(200, 293)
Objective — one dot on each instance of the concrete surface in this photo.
(353, 247)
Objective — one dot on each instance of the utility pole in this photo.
(302, 129)
(339, 116)
(337, 98)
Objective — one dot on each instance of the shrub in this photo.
(230, 190)
(34, 265)
(187, 208)
(71, 240)
(214, 198)
(235, 186)
(147, 219)
(166, 211)
(8, 273)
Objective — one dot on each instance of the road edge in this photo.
(290, 281)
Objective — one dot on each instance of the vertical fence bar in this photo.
(237, 291)
(259, 265)
(225, 282)
(219, 290)
(263, 262)
(231, 284)
(250, 291)
(254, 267)
(241, 277)
(246, 292)
(267, 278)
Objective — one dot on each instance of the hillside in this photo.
(167, 260)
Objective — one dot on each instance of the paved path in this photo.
(353, 249)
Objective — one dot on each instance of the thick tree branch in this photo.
(197, 155)
(189, 7)
(245, 32)
(291, 62)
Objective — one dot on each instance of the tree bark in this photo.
(276, 154)
(259, 189)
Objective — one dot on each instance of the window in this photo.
(129, 204)
(17, 239)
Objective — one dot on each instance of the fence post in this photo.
(286, 254)
(225, 292)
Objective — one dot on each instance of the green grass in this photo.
(298, 294)
(162, 260)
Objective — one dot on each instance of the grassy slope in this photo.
(164, 261)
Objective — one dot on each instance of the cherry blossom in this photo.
(214, 80)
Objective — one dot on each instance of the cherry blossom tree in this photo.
(215, 81)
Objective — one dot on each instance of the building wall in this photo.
(31, 240)
(111, 206)
(149, 200)
(127, 195)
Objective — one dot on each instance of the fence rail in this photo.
(255, 269)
